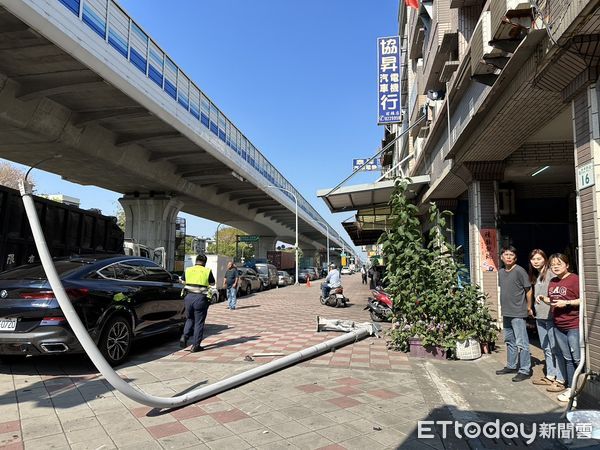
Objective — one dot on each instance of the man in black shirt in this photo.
(514, 285)
(231, 282)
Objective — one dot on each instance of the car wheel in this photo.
(116, 340)
(214, 299)
(248, 290)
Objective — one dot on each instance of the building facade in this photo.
(500, 106)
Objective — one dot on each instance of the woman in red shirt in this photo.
(563, 297)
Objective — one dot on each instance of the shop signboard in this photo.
(372, 166)
(489, 249)
(388, 83)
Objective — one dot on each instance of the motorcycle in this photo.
(379, 306)
(335, 299)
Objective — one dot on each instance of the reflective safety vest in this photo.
(197, 276)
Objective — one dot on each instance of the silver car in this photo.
(284, 278)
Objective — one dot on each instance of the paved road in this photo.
(360, 396)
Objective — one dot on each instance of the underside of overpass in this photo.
(52, 103)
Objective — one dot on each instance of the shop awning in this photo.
(362, 196)
(359, 235)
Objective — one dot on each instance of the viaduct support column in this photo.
(483, 232)
(264, 245)
(150, 220)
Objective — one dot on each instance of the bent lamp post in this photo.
(296, 201)
(121, 385)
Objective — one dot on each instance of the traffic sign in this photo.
(249, 238)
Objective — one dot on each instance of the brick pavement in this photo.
(360, 396)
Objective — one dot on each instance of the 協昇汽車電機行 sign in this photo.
(388, 80)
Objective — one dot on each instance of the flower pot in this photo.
(468, 349)
(417, 349)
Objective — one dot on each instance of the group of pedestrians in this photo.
(550, 293)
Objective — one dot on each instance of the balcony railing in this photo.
(131, 43)
(557, 15)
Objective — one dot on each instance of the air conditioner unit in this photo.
(506, 202)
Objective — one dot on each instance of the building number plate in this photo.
(585, 176)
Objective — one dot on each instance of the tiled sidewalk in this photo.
(361, 396)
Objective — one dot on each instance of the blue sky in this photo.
(297, 78)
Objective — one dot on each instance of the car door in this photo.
(254, 279)
(167, 308)
(143, 294)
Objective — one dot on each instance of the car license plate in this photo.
(8, 324)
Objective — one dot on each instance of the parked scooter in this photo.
(335, 299)
(379, 306)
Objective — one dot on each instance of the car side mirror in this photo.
(176, 278)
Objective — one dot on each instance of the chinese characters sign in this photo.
(388, 61)
(489, 249)
(373, 165)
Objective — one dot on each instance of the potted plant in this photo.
(467, 347)
(432, 305)
(487, 338)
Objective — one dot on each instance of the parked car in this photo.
(312, 272)
(268, 275)
(303, 276)
(345, 271)
(284, 278)
(249, 281)
(119, 299)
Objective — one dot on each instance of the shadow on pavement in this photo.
(234, 341)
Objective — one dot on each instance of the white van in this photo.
(218, 265)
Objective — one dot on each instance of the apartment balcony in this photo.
(420, 102)
(483, 54)
(510, 22)
(465, 3)
(416, 36)
(442, 45)
(559, 15)
(449, 46)
(448, 70)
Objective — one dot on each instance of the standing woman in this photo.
(563, 297)
(540, 276)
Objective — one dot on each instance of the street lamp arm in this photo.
(296, 202)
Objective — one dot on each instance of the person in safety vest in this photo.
(197, 280)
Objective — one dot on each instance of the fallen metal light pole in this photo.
(132, 392)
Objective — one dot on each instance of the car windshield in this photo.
(36, 271)
(262, 270)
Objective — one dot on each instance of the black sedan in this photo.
(118, 298)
